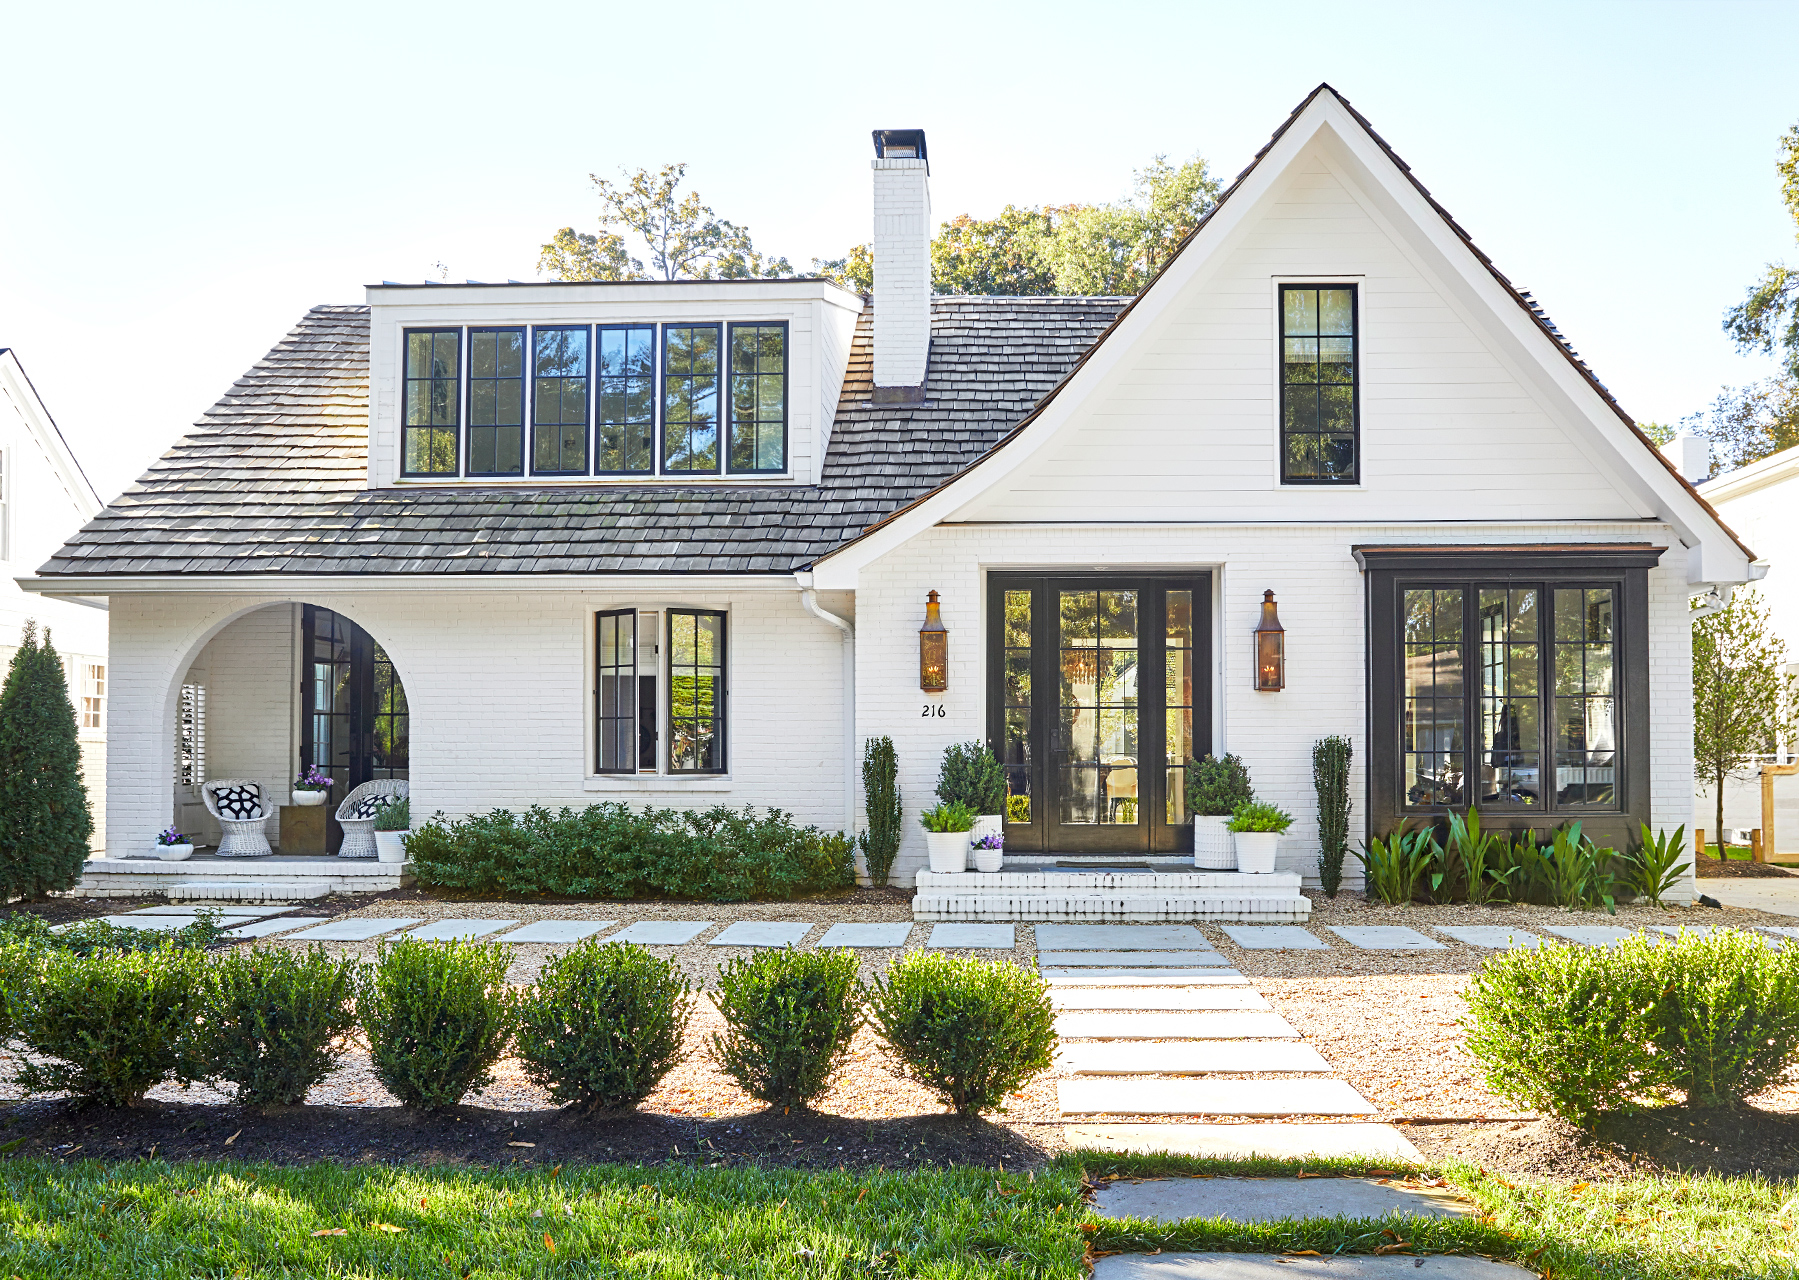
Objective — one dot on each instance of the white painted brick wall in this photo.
(902, 263)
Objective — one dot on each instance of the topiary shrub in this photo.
(1569, 1030)
(603, 1025)
(113, 1022)
(789, 1016)
(45, 822)
(881, 801)
(1216, 785)
(969, 1030)
(1727, 1015)
(438, 1015)
(971, 776)
(271, 1021)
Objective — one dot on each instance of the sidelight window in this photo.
(1318, 384)
(1015, 703)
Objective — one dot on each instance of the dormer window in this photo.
(433, 401)
(559, 402)
(496, 402)
(690, 397)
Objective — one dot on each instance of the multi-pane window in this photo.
(1098, 707)
(615, 699)
(690, 376)
(496, 402)
(626, 412)
(1177, 699)
(1015, 743)
(1586, 735)
(1511, 705)
(1318, 384)
(93, 695)
(559, 401)
(758, 397)
(696, 691)
(432, 400)
(1431, 745)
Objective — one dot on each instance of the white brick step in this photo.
(237, 891)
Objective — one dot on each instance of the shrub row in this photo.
(613, 851)
(1583, 1032)
(600, 1028)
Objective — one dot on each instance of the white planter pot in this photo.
(949, 850)
(175, 852)
(1256, 849)
(987, 861)
(390, 846)
(1212, 846)
(310, 798)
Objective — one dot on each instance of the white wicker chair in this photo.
(359, 831)
(240, 835)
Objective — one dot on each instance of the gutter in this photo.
(809, 601)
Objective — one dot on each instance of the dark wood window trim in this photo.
(430, 402)
(698, 714)
(487, 393)
(1306, 447)
(749, 388)
(1389, 571)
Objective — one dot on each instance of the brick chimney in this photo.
(902, 262)
(1691, 454)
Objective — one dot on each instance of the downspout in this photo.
(809, 599)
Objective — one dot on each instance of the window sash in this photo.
(1320, 384)
(692, 365)
(615, 691)
(697, 693)
(496, 401)
(431, 402)
(560, 367)
(758, 386)
(625, 400)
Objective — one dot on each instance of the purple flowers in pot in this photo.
(994, 841)
(172, 837)
(312, 780)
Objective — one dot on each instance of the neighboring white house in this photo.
(44, 497)
(672, 542)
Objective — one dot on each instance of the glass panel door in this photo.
(354, 723)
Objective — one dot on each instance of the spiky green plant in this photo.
(1330, 778)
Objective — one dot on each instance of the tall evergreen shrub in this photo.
(1330, 777)
(45, 822)
(972, 776)
(881, 799)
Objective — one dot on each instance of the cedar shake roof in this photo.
(273, 478)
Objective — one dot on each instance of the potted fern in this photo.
(1216, 785)
(971, 776)
(946, 836)
(1258, 827)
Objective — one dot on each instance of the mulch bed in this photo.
(1744, 1140)
(1737, 868)
(476, 1136)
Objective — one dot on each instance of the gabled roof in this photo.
(1180, 264)
(15, 385)
(274, 478)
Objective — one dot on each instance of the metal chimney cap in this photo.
(900, 144)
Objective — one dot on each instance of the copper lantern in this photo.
(933, 649)
(1271, 649)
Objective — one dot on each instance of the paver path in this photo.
(360, 929)
(556, 931)
(457, 930)
(1174, 1026)
(1189, 1057)
(1274, 937)
(1168, 998)
(1266, 1266)
(1128, 977)
(1138, 959)
(996, 937)
(1123, 1095)
(1496, 937)
(1271, 1199)
(1126, 937)
(1385, 937)
(1590, 935)
(762, 933)
(1280, 1139)
(267, 928)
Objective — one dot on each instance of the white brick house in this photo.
(519, 502)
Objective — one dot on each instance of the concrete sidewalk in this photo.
(1780, 896)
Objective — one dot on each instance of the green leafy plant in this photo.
(395, 815)
(1217, 785)
(1580, 873)
(45, 822)
(272, 1021)
(1256, 815)
(1018, 809)
(1727, 1014)
(603, 1024)
(948, 818)
(1330, 779)
(1568, 1030)
(1392, 868)
(881, 801)
(1655, 868)
(971, 776)
(789, 1016)
(107, 1027)
(1744, 696)
(438, 1015)
(969, 1030)
(1477, 851)
(28, 928)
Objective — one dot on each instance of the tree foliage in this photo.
(1744, 701)
(45, 822)
(1747, 423)
(684, 238)
(1767, 320)
(1093, 249)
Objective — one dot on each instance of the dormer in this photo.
(704, 382)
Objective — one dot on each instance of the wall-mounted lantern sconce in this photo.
(933, 649)
(1271, 649)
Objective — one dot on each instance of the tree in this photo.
(1002, 255)
(1757, 322)
(685, 239)
(1744, 702)
(45, 822)
(1747, 423)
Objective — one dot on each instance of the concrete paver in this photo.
(457, 930)
(661, 933)
(1495, 937)
(866, 935)
(995, 937)
(242, 913)
(281, 924)
(1169, 998)
(1132, 959)
(1243, 1141)
(1778, 894)
(1211, 1096)
(1271, 1199)
(1058, 977)
(1120, 937)
(360, 929)
(1274, 937)
(1266, 1266)
(556, 931)
(1174, 1026)
(1590, 935)
(763, 933)
(1385, 937)
(1188, 1057)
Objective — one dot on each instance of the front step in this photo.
(1230, 897)
(251, 891)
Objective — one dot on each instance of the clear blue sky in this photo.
(181, 182)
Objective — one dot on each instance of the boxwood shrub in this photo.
(613, 851)
(438, 1016)
(789, 1016)
(272, 1021)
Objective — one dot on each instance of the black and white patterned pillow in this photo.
(238, 802)
(369, 806)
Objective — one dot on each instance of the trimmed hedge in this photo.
(615, 852)
(789, 1016)
(272, 1021)
(438, 1015)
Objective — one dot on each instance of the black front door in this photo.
(1098, 695)
(353, 719)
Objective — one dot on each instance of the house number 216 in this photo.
(934, 709)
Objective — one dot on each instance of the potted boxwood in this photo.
(1258, 827)
(971, 776)
(1216, 785)
(393, 823)
(946, 835)
(312, 787)
(172, 846)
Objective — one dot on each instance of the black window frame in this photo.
(729, 399)
(1390, 571)
(624, 725)
(406, 381)
(585, 377)
(1355, 380)
(470, 426)
(721, 695)
(599, 380)
(721, 411)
